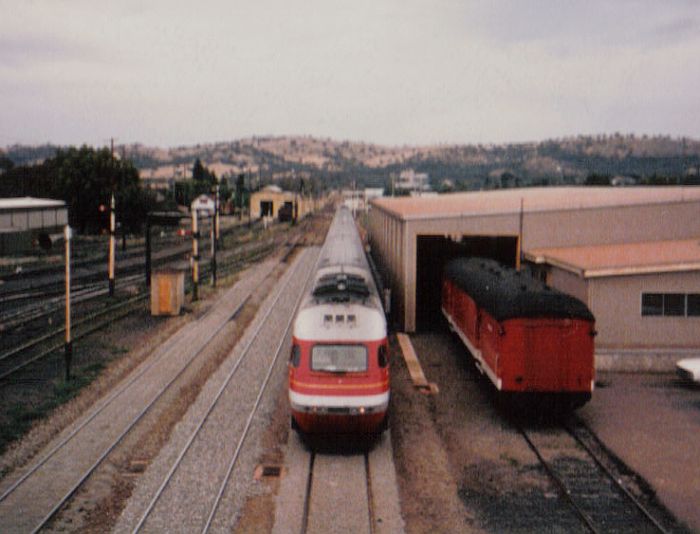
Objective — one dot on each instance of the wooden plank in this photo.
(409, 356)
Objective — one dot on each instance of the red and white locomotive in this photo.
(339, 365)
(533, 342)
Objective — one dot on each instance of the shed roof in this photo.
(29, 203)
(533, 199)
(619, 260)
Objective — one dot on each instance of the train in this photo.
(534, 343)
(338, 370)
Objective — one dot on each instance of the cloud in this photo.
(395, 71)
(32, 51)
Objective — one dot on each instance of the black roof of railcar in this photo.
(506, 293)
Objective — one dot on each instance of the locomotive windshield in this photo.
(339, 358)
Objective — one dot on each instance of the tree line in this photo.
(85, 179)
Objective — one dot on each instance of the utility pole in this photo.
(217, 227)
(68, 346)
(213, 251)
(148, 250)
(195, 255)
(112, 232)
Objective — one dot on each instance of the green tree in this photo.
(85, 179)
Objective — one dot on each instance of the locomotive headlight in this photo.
(361, 410)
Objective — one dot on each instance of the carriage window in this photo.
(339, 358)
(295, 356)
(383, 361)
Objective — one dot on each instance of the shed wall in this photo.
(569, 283)
(616, 304)
(602, 226)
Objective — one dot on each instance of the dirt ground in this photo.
(463, 467)
(652, 422)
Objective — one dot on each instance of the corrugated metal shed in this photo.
(536, 199)
(412, 238)
(23, 219)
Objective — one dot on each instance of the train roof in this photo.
(506, 293)
(340, 286)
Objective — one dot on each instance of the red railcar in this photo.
(530, 340)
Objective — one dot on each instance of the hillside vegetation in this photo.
(326, 163)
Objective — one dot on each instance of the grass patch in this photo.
(19, 417)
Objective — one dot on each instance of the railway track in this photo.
(23, 354)
(217, 435)
(31, 497)
(588, 481)
(324, 494)
(48, 281)
(336, 488)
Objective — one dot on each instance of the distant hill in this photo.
(329, 163)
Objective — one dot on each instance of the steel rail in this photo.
(210, 409)
(370, 498)
(226, 268)
(307, 495)
(254, 409)
(573, 433)
(33, 342)
(112, 396)
(59, 346)
(229, 268)
(134, 421)
(565, 492)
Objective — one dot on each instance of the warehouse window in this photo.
(652, 304)
(693, 309)
(671, 304)
(674, 304)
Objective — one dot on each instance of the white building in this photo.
(410, 180)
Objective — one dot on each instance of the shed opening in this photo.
(433, 252)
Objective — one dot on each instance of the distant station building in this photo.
(359, 199)
(632, 254)
(412, 182)
(271, 199)
(27, 222)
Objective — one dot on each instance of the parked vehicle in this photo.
(688, 369)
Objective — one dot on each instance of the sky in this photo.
(395, 72)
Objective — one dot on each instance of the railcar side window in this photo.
(295, 356)
(382, 359)
(339, 358)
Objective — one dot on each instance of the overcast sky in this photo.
(172, 72)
